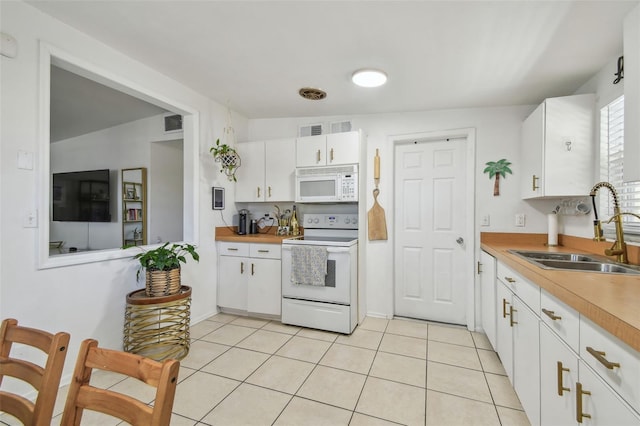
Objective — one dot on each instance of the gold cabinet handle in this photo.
(258, 188)
(232, 249)
(551, 314)
(579, 392)
(600, 356)
(479, 268)
(560, 387)
(510, 280)
(253, 269)
(511, 311)
(263, 251)
(504, 308)
(269, 190)
(242, 267)
(534, 182)
(331, 154)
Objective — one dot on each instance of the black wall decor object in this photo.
(620, 74)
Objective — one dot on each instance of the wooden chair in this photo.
(162, 375)
(45, 380)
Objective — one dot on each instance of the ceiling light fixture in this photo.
(369, 77)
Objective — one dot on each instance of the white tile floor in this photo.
(247, 371)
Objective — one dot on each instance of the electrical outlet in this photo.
(520, 217)
(486, 220)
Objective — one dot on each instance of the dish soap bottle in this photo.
(295, 225)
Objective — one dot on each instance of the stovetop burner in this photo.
(339, 230)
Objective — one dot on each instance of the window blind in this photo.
(612, 166)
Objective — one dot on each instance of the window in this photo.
(611, 167)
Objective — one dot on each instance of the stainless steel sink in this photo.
(612, 268)
(575, 262)
(543, 255)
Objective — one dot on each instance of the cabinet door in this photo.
(343, 148)
(264, 286)
(603, 405)
(632, 95)
(250, 175)
(232, 282)
(311, 150)
(280, 167)
(488, 296)
(531, 154)
(504, 336)
(558, 376)
(568, 146)
(526, 359)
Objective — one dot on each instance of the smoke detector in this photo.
(312, 93)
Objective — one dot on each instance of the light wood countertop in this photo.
(224, 233)
(610, 300)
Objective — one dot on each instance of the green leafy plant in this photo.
(497, 169)
(165, 257)
(227, 157)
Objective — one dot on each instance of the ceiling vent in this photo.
(172, 123)
(310, 130)
(312, 93)
(341, 127)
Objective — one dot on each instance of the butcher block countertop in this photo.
(610, 300)
(268, 237)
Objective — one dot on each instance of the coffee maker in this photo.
(242, 221)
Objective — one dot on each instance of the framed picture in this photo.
(130, 191)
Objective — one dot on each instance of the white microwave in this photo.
(327, 184)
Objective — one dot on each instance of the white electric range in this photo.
(332, 306)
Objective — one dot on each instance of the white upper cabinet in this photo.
(632, 95)
(267, 171)
(327, 150)
(557, 148)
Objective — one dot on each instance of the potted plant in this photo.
(227, 157)
(162, 267)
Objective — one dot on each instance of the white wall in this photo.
(497, 136)
(86, 300)
(165, 192)
(120, 147)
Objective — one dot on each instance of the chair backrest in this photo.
(45, 380)
(161, 375)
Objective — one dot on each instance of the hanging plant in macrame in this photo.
(497, 169)
(225, 153)
(228, 158)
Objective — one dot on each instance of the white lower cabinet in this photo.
(571, 393)
(487, 273)
(518, 348)
(598, 404)
(587, 376)
(526, 359)
(504, 335)
(558, 378)
(232, 285)
(249, 277)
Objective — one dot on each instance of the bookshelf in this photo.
(134, 206)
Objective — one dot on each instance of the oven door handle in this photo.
(329, 249)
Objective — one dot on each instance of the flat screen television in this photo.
(81, 196)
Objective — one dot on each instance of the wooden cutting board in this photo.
(377, 222)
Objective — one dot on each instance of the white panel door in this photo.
(430, 270)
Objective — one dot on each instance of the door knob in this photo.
(460, 240)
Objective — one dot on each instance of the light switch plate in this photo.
(486, 220)
(520, 217)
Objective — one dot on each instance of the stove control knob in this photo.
(354, 221)
(309, 220)
(347, 220)
(316, 220)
